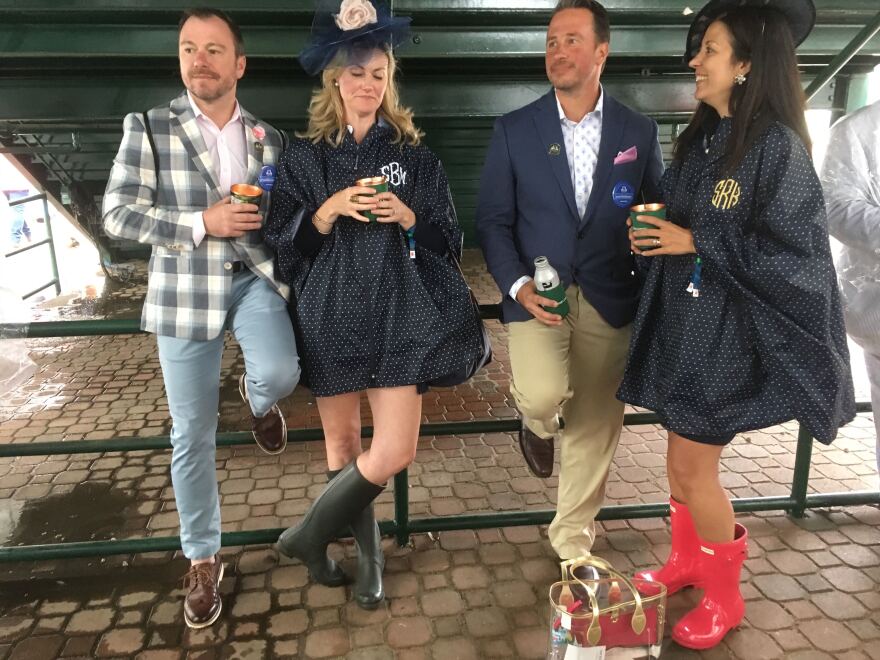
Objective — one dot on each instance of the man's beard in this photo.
(219, 89)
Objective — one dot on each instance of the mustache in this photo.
(203, 72)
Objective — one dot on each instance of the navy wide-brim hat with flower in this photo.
(799, 14)
(355, 26)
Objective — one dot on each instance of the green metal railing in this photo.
(402, 526)
(55, 281)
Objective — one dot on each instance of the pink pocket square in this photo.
(627, 156)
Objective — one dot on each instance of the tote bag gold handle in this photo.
(639, 620)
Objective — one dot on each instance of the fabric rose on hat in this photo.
(355, 14)
(349, 29)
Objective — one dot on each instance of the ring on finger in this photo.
(353, 199)
(656, 242)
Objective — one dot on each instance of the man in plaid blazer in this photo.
(209, 272)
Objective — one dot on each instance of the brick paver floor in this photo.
(811, 585)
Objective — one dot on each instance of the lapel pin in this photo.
(258, 146)
(554, 149)
(259, 132)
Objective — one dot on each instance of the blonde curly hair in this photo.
(327, 113)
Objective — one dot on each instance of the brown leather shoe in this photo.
(202, 604)
(537, 451)
(270, 430)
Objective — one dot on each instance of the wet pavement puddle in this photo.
(91, 511)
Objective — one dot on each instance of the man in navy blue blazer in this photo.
(559, 178)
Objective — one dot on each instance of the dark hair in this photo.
(209, 12)
(601, 24)
(772, 91)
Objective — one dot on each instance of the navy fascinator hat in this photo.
(799, 14)
(357, 26)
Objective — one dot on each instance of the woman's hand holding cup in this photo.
(389, 208)
(351, 201)
(651, 235)
(365, 204)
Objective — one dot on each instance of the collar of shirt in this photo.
(226, 147)
(380, 122)
(597, 111)
(201, 116)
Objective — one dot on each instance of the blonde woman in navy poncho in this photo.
(380, 306)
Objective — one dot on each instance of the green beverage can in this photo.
(244, 193)
(557, 293)
(377, 183)
(654, 210)
(548, 286)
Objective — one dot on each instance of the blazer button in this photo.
(227, 265)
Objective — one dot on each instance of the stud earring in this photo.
(739, 79)
(336, 83)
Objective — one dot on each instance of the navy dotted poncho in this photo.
(764, 342)
(368, 315)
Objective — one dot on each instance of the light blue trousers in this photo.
(872, 362)
(259, 321)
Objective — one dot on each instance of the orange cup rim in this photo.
(372, 181)
(647, 208)
(246, 190)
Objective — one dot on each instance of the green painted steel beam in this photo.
(801, 477)
(440, 524)
(54, 282)
(857, 498)
(858, 42)
(401, 525)
(98, 327)
(29, 246)
(33, 104)
(632, 511)
(84, 11)
(91, 328)
(137, 42)
(238, 438)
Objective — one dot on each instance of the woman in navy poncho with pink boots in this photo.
(739, 326)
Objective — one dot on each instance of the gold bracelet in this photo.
(317, 218)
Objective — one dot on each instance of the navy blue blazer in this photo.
(527, 208)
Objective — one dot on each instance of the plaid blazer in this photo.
(189, 288)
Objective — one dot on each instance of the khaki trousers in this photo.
(574, 369)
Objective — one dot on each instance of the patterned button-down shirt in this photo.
(582, 149)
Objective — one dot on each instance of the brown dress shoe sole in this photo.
(242, 390)
(283, 446)
(205, 624)
(533, 467)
